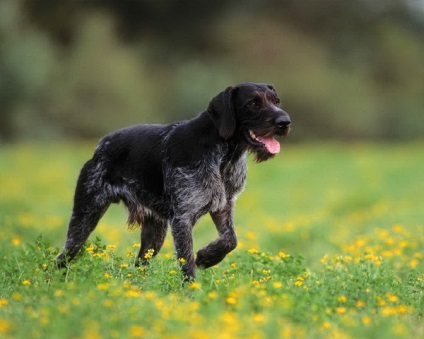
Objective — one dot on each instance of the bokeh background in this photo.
(78, 69)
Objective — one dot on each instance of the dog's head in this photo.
(250, 113)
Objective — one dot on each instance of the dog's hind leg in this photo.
(214, 252)
(90, 203)
(153, 234)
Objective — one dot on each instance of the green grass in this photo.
(331, 244)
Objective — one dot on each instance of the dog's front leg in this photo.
(183, 240)
(213, 253)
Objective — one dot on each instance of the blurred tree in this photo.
(345, 69)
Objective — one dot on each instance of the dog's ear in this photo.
(221, 111)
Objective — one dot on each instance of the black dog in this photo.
(176, 173)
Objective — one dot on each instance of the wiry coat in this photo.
(176, 173)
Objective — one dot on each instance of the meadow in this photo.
(331, 245)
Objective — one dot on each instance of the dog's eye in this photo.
(255, 104)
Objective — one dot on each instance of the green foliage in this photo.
(344, 69)
(330, 245)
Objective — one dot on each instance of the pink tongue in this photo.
(272, 145)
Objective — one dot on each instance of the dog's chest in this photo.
(233, 174)
(210, 184)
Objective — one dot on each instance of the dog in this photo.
(178, 172)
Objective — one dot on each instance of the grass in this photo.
(331, 244)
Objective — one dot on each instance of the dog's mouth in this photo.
(267, 141)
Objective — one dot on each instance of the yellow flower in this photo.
(258, 318)
(253, 251)
(326, 325)
(194, 286)
(366, 320)
(342, 299)
(340, 310)
(132, 294)
(231, 300)
(26, 282)
(3, 302)
(4, 326)
(283, 255)
(298, 283)
(413, 263)
(360, 303)
(182, 260)
(123, 265)
(107, 275)
(16, 296)
(149, 254)
(391, 297)
(172, 272)
(103, 287)
(277, 284)
(137, 331)
(16, 241)
(212, 295)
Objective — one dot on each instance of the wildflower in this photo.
(111, 247)
(137, 331)
(253, 251)
(360, 303)
(172, 272)
(16, 241)
(26, 282)
(231, 300)
(277, 284)
(16, 296)
(132, 294)
(251, 235)
(182, 260)
(58, 293)
(4, 326)
(366, 320)
(258, 318)
(103, 287)
(342, 299)
(324, 259)
(123, 265)
(212, 295)
(107, 275)
(90, 249)
(326, 325)
(149, 254)
(233, 265)
(194, 286)
(299, 281)
(391, 297)
(413, 263)
(340, 310)
(3, 302)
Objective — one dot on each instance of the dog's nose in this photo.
(282, 122)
